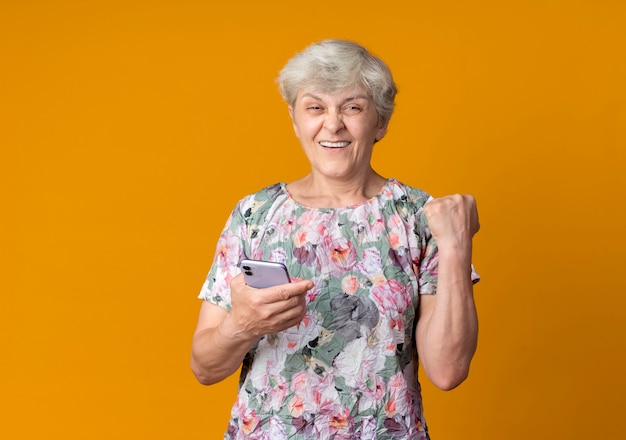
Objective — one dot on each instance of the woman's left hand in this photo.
(453, 219)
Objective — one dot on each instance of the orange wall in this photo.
(128, 130)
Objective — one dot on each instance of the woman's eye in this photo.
(353, 109)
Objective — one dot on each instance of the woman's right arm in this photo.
(216, 352)
(223, 338)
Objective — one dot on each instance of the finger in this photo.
(282, 324)
(287, 291)
(289, 317)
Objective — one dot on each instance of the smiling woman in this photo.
(381, 275)
(340, 99)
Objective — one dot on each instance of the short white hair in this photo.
(334, 65)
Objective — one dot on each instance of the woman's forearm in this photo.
(448, 324)
(218, 352)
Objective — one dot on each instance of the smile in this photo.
(334, 144)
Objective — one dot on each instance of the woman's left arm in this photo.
(447, 326)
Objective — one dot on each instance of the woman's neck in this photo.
(323, 192)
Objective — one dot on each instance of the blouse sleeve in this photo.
(229, 251)
(427, 270)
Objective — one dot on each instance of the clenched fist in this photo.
(453, 220)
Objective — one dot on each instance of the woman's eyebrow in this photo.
(348, 99)
(310, 95)
(352, 98)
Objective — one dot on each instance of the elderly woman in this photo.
(381, 275)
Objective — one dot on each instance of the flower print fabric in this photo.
(349, 369)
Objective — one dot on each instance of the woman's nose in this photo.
(333, 121)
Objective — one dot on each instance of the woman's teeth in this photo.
(334, 144)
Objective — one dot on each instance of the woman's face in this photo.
(337, 131)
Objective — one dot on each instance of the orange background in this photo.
(128, 130)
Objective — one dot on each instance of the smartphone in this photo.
(261, 274)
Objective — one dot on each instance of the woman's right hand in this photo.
(222, 338)
(257, 312)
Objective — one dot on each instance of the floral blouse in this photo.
(349, 369)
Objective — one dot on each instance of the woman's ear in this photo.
(382, 131)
